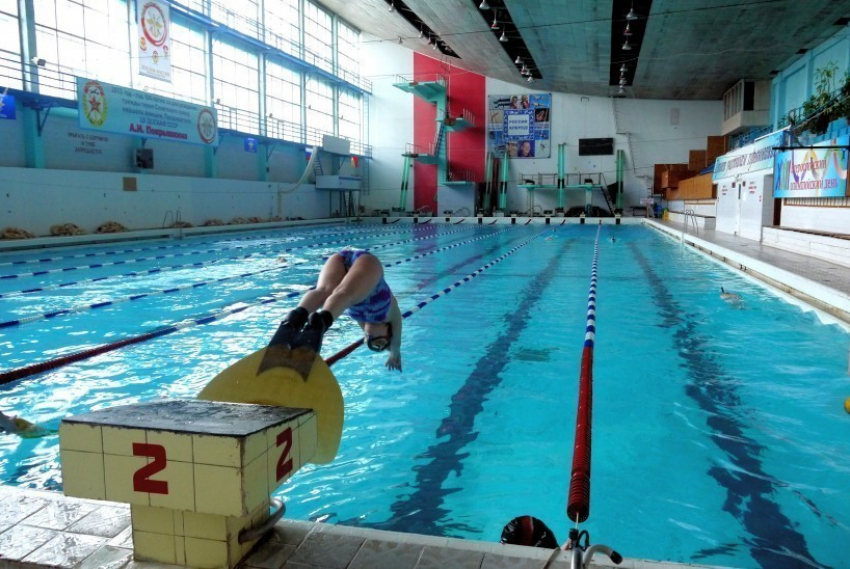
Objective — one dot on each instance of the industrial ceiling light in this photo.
(392, 6)
(518, 60)
(434, 46)
(632, 15)
(484, 5)
(623, 68)
(495, 24)
(622, 90)
(623, 82)
(524, 69)
(530, 79)
(628, 31)
(399, 40)
(421, 33)
(627, 46)
(503, 38)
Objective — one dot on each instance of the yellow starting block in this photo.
(195, 473)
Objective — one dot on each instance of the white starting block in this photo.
(195, 473)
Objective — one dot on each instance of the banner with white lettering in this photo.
(154, 31)
(750, 158)
(111, 108)
(812, 172)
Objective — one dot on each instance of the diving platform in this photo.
(457, 124)
(431, 91)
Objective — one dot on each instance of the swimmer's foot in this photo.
(278, 351)
(314, 331)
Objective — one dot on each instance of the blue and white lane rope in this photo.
(419, 306)
(169, 268)
(33, 369)
(275, 235)
(590, 330)
(103, 304)
(173, 255)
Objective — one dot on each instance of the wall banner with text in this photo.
(519, 125)
(111, 108)
(154, 30)
(812, 172)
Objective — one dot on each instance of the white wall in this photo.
(35, 199)
(660, 132)
(390, 120)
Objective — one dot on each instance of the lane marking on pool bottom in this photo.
(353, 346)
(749, 488)
(421, 511)
(33, 369)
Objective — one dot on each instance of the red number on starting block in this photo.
(284, 463)
(141, 479)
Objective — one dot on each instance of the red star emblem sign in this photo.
(94, 104)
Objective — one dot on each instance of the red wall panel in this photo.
(466, 149)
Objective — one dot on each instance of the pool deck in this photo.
(47, 529)
(821, 284)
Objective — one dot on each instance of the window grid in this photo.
(349, 51)
(235, 82)
(320, 110)
(85, 45)
(282, 25)
(240, 15)
(10, 46)
(283, 102)
(839, 202)
(318, 37)
(350, 115)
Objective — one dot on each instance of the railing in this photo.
(461, 176)
(59, 88)
(691, 219)
(422, 78)
(575, 179)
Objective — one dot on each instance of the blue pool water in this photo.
(719, 435)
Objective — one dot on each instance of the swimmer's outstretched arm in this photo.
(394, 359)
(21, 427)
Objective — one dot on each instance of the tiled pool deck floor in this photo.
(47, 529)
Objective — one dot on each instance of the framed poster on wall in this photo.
(519, 125)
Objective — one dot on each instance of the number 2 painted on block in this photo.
(284, 463)
(141, 479)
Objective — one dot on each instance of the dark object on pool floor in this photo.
(528, 530)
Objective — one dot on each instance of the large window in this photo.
(282, 23)
(283, 102)
(318, 37)
(349, 51)
(242, 15)
(320, 110)
(350, 115)
(89, 38)
(10, 46)
(236, 86)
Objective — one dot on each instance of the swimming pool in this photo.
(718, 433)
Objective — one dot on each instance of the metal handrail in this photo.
(691, 218)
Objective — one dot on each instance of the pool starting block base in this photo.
(195, 473)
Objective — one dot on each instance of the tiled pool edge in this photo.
(47, 529)
(825, 298)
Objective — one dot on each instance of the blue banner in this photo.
(7, 107)
(251, 145)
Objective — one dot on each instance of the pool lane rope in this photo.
(85, 307)
(157, 270)
(354, 345)
(578, 501)
(30, 370)
(276, 235)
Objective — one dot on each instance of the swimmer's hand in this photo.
(394, 361)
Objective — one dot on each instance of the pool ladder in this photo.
(175, 220)
(691, 219)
